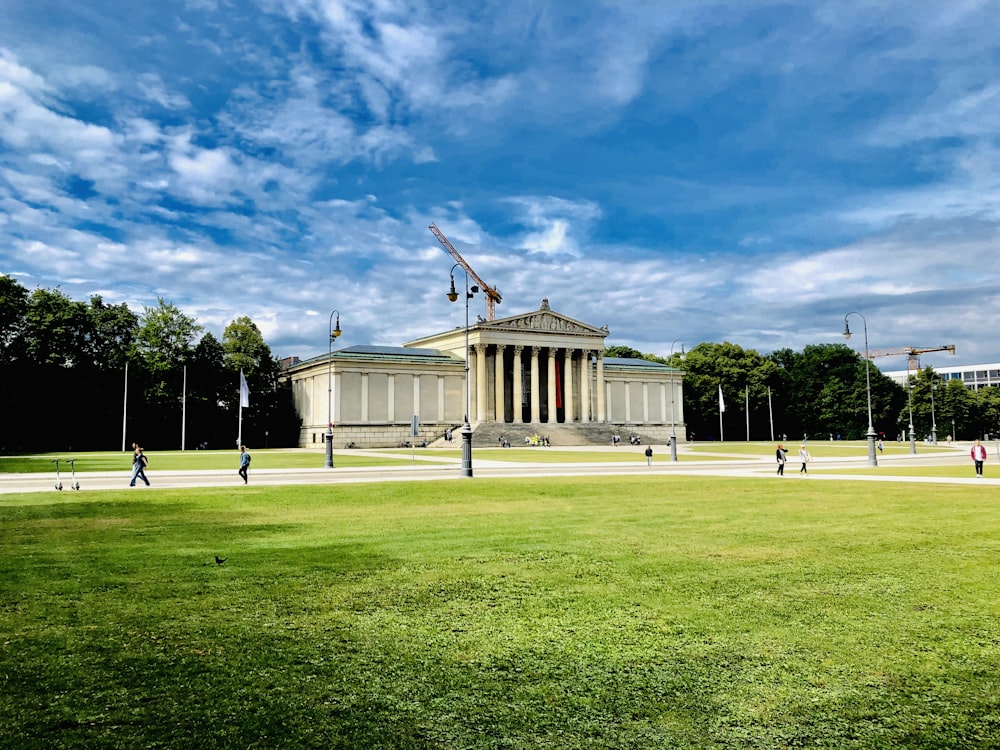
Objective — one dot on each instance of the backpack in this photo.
(145, 461)
(249, 459)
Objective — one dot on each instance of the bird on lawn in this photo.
(220, 560)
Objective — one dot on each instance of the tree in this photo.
(165, 339)
(272, 410)
(209, 385)
(742, 374)
(13, 310)
(627, 352)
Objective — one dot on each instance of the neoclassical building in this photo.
(536, 373)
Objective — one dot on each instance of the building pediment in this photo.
(543, 320)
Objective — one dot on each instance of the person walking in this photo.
(804, 457)
(244, 463)
(978, 454)
(781, 455)
(139, 464)
(649, 456)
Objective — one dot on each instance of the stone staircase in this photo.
(488, 434)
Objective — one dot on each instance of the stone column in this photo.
(536, 409)
(568, 386)
(585, 412)
(390, 395)
(498, 409)
(364, 397)
(482, 414)
(601, 412)
(518, 383)
(552, 386)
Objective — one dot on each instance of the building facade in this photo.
(973, 377)
(536, 372)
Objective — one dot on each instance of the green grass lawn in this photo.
(666, 612)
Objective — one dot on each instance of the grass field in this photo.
(666, 612)
(301, 459)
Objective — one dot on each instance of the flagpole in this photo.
(748, 412)
(184, 389)
(770, 412)
(125, 408)
(244, 402)
(722, 408)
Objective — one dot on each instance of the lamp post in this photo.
(933, 418)
(466, 427)
(872, 460)
(673, 423)
(334, 333)
(909, 404)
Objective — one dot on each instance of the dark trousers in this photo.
(243, 473)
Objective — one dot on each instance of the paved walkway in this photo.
(432, 467)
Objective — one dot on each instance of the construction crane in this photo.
(912, 354)
(493, 297)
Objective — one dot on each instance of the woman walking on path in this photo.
(781, 454)
(804, 457)
(978, 454)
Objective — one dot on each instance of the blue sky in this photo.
(740, 171)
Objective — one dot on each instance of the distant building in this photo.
(541, 372)
(973, 377)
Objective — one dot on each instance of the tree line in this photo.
(86, 375)
(820, 393)
(63, 364)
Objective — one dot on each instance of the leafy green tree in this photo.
(56, 328)
(165, 340)
(210, 384)
(13, 310)
(165, 337)
(271, 418)
(245, 347)
(113, 332)
(626, 352)
(744, 376)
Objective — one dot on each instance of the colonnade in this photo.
(536, 384)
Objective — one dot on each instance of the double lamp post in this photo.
(872, 460)
(466, 426)
(334, 335)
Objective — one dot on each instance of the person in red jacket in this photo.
(978, 454)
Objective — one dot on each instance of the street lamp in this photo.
(872, 461)
(466, 427)
(909, 404)
(933, 418)
(334, 334)
(673, 424)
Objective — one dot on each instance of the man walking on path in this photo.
(244, 463)
(649, 455)
(139, 464)
(978, 454)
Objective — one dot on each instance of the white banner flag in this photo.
(244, 392)
(722, 403)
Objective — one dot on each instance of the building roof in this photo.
(385, 353)
(632, 363)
